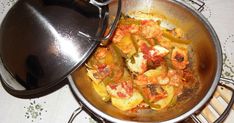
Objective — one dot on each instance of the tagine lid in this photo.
(43, 41)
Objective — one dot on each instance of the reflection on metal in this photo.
(84, 34)
(6, 77)
(96, 3)
(63, 43)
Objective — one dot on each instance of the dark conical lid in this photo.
(42, 41)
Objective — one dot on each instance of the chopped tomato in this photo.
(101, 67)
(120, 90)
(133, 28)
(154, 56)
(121, 95)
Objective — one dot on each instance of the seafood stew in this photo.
(146, 66)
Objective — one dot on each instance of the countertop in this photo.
(58, 106)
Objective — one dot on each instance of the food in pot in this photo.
(146, 66)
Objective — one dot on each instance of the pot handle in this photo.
(95, 2)
(224, 115)
(199, 3)
(82, 108)
(113, 25)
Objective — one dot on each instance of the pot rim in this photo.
(210, 92)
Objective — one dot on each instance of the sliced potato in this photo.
(159, 51)
(167, 43)
(129, 103)
(126, 45)
(175, 39)
(117, 64)
(165, 101)
(161, 70)
(129, 21)
(100, 88)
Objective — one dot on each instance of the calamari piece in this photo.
(179, 58)
(138, 64)
(150, 29)
(158, 50)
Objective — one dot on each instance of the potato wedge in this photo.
(129, 103)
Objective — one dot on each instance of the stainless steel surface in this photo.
(42, 41)
(81, 108)
(207, 51)
(199, 3)
(106, 38)
(75, 114)
(100, 3)
(195, 119)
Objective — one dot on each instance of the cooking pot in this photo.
(207, 52)
(35, 13)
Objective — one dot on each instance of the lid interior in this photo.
(42, 41)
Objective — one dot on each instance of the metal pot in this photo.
(207, 51)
